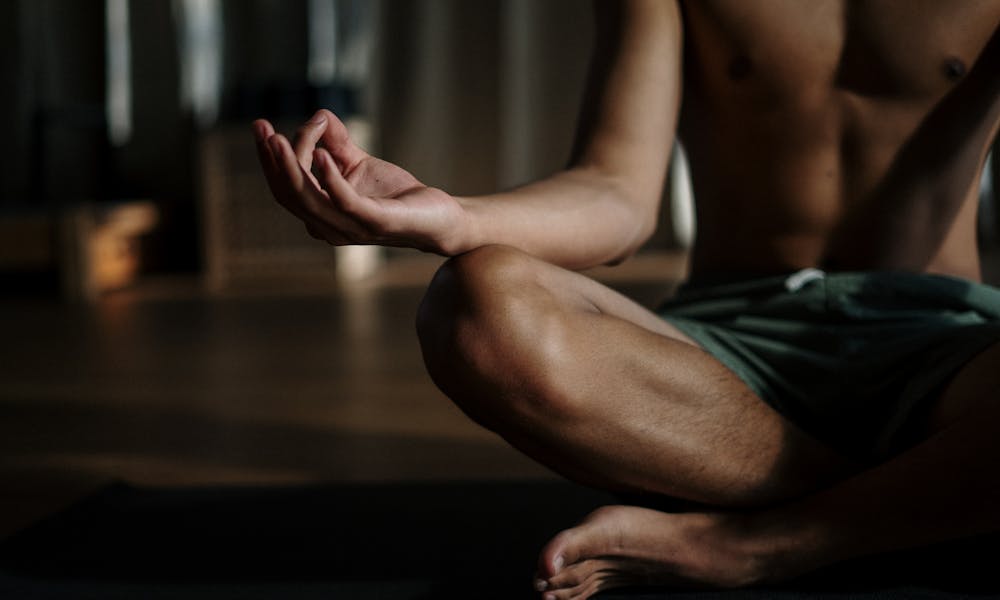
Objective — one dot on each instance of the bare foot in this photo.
(625, 545)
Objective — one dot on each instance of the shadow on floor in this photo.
(388, 541)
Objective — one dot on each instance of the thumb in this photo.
(339, 144)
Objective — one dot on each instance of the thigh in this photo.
(602, 390)
(574, 290)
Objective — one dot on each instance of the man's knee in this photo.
(489, 328)
(478, 305)
(467, 290)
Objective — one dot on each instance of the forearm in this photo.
(603, 208)
(598, 211)
(577, 219)
(945, 488)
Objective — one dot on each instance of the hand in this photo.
(346, 196)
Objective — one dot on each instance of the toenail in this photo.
(541, 585)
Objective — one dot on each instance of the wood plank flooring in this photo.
(163, 385)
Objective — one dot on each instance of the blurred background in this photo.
(126, 157)
(165, 324)
(127, 124)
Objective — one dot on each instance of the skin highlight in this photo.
(833, 134)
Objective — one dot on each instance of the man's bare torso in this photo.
(838, 134)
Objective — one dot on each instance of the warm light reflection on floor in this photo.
(163, 385)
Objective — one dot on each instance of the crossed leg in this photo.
(942, 488)
(606, 393)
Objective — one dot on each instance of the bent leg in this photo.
(943, 488)
(603, 391)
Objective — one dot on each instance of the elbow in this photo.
(631, 209)
(641, 224)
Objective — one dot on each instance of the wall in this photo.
(470, 96)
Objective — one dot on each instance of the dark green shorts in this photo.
(854, 359)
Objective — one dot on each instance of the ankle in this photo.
(780, 545)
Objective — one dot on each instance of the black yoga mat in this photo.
(388, 542)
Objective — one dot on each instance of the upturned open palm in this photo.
(403, 210)
(346, 196)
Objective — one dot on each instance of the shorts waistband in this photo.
(866, 283)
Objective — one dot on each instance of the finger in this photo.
(288, 165)
(269, 148)
(338, 142)
(343, 196)
(306, 138)
(299, 188)
(291, 188)
(310, 203)
(262, 131)
(286, 181)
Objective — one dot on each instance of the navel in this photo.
(739, 68)
(954, 68)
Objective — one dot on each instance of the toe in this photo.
(589, 539)
(553, 556)
(575, 574)
(600, 534)
(594, 583)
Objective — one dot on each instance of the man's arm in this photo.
(598, 210)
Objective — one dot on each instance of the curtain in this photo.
(472, 96)
(477, 96)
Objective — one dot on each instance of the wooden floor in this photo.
(163, 385)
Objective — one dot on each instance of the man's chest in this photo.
(886, 49)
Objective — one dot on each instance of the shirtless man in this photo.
(827, 385)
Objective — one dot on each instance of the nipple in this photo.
(954, 68)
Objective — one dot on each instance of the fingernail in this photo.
(549, 597)
(541, 585)
(558, 562)
(317, 119)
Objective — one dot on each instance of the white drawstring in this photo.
(797, 281)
